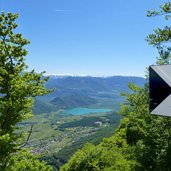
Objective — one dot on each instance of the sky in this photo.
(87, 37)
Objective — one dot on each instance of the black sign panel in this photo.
(160, 90)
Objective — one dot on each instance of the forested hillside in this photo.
(87, 85)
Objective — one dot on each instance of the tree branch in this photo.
(30, 132)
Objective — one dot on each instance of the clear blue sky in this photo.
(87, 37)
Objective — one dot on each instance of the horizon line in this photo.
(102, 76)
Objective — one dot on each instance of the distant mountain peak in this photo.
(91, 76)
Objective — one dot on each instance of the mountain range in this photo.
(77, 91)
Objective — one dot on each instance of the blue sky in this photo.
(87, 37)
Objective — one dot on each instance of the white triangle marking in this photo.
(164, 71)
(164, 108)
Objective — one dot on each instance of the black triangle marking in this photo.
(159, 89)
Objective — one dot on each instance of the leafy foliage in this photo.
(23, 160)
(162, 36)
(17, 88)
(105, 156)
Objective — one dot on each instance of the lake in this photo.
(84, 111)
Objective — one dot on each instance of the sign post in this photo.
(160, 89)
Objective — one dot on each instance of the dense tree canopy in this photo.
(109, 155)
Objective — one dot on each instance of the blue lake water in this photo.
(84, 111)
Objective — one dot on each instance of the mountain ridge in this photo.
(94, 76)
(87, 91)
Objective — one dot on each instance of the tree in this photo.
(25, 161)
(162, 36)
(109, 155)
(18, 88)
(149, 136)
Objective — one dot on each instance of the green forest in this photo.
(140, 142)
